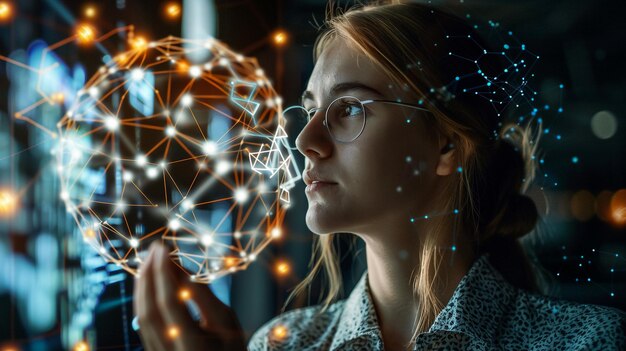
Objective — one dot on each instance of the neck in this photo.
(393, 263)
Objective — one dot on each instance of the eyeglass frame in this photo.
(311, 112)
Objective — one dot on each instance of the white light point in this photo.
(252, 257)
(64, 195)
(237, 235)
(222, 167)
(276, 233)
(134, 243)
(93, 92)
(278, 100)
(152, 172)
(137, 74)
(262, 188)
(223, 61)
(111, 123)
(241, 195)
(170, 131)
(195, 71)
(120, 205)
(174, 224)
(206, 240)
(141, 160)
(166, 113)
(186, 100)
(209, 148)
(187, 205)
(163, 164)
(127, 176)
(259, 72)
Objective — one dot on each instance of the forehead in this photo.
(342, 63)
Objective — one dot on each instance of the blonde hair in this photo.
(496, 169)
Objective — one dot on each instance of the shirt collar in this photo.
(457, 320)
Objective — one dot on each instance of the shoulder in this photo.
(565, 325)
(299, 329)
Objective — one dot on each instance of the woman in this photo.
(435, 196)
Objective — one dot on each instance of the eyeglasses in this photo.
(345, 116)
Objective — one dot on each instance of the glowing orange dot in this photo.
(90, 233)
(230, 261)
(182, 66)
(81, 346)
(618, 207)
(85, 33)
(139, 43)
(9, 348)
(173, 332)
(279, 332)
(57, 98)
(184, 294)
(8, 203)
(283, 268)
(6, 11)
(172, 10)
(280, 38)
(90, 12)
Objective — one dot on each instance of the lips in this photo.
(313, 177)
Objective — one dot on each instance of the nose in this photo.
(314, 141)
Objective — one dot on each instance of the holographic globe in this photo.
(160, 147)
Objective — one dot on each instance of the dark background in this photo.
(581, 44)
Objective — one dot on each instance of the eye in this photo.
(350, 109)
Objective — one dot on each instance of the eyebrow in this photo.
(342, 87)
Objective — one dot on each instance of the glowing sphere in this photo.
(195, 158)
(8, 203)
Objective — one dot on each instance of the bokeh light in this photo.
(173, 10)
(6, 11)
(618, 207)
(81, 346)
(8, 203)
(280, 38)
(604, 124)
(90, 11)
(85, 34)
(279, 332)
(582, 205)
(282, 268)
(603, 206)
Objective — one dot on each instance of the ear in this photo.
(447, 156)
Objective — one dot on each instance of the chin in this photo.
(321, 223)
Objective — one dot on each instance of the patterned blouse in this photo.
(485, 312)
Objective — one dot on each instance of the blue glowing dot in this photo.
(505, 70)
(612, 294)
(588, 279)
(564, 258)
(408, 121)
(561, 86)
(555, 310)
(456, 211)
(488, 84)
(456, 78)
(412, 220)
(426, 217)
(575, 159)
(506, 46)
(460, 169)
(480, 71)
(453, 247)
(612, 270)
(580, 265)
(546, 107)
(523, 47)
(546, 131)
(542, 161)
(616, 255)
(558, 137)
(582, 256)
(560, 110)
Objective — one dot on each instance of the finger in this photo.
(151, 325)
(166, 285)
(216, 316)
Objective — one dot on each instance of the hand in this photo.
(164, 321)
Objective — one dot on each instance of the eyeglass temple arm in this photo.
(396, 103)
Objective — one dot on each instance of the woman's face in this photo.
(389, 173)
